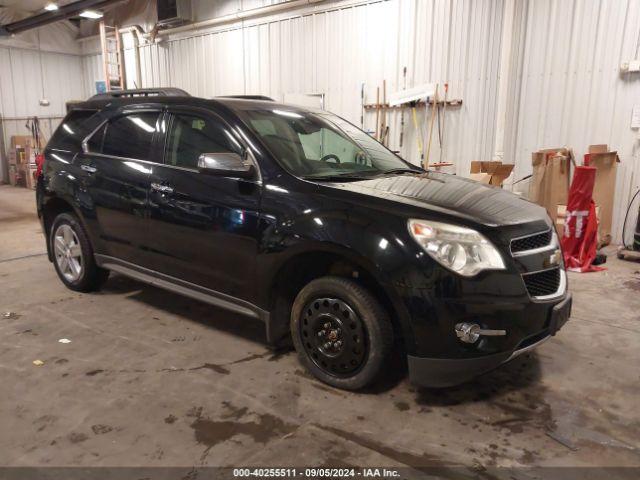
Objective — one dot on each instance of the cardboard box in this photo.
(16, 175)
(30, 177)
(549, 186)
(13, 175)
(492, 173)
(22, 141)
(481, 177)
(29, 155)
(22, 156)
(606, 164)
(477, 166)
(601, 148)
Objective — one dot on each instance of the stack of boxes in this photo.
(551, 177)
(550, 180)
(22, 161)
(493, 173)
(606, 164)
(549, 186)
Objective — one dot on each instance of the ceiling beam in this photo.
(45, 18)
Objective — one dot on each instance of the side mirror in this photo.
(226, 165)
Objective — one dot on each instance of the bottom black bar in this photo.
(345, 472)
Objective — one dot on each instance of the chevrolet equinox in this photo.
(303, 221)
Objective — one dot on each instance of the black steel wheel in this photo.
(340, 331)
(334, 336)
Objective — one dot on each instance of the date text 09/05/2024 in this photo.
(315, 472)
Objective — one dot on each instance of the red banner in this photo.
(580, 236)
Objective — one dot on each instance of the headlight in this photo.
(460, 249)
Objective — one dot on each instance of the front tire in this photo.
(341, 332)
(73, 255)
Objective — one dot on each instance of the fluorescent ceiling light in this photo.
(92, 14)
(50, 7)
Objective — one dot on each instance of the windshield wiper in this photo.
(337, 177)
(401, 170)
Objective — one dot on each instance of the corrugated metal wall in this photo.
(563, 82)
(205, 9)
(334, 51)
(566, 87)
(26, 77)
(93, 72)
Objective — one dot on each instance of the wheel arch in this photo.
(51, 208)
(301, 268)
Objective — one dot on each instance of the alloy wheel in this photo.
(68, 253)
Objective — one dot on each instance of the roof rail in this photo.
(141, 92)
(249, 97)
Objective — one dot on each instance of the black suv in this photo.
(300, 219)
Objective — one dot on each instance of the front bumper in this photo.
(444, 372)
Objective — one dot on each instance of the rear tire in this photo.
(341, 332)
(73, 255)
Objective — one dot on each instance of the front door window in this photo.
(192, 135)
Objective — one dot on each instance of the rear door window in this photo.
(72, 131)
(128, 136)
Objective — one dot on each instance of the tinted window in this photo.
(97, 139)
(191, 135)
(128, 136)
(71, 131)
(319, 145)
(327, 144)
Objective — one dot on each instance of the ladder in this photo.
(112, 63)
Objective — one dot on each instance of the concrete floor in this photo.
(154, 379)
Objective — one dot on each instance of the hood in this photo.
(451, 195)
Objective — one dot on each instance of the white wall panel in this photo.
(29, 76)
(93, 72)
(26, 77)
(205, 9)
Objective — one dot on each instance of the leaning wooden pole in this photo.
(105, 55)
(377, 113)
(434, 105)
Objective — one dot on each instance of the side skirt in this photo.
(182, 287)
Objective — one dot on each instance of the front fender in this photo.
(374, 242)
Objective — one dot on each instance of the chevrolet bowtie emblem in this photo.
(554, 258)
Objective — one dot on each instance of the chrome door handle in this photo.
(161, 188)
(89, 168)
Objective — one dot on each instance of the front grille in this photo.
(532, 241)
(542, 283)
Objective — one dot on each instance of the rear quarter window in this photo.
(72, 131)
(127, 136)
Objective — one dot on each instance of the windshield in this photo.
(321, 145)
